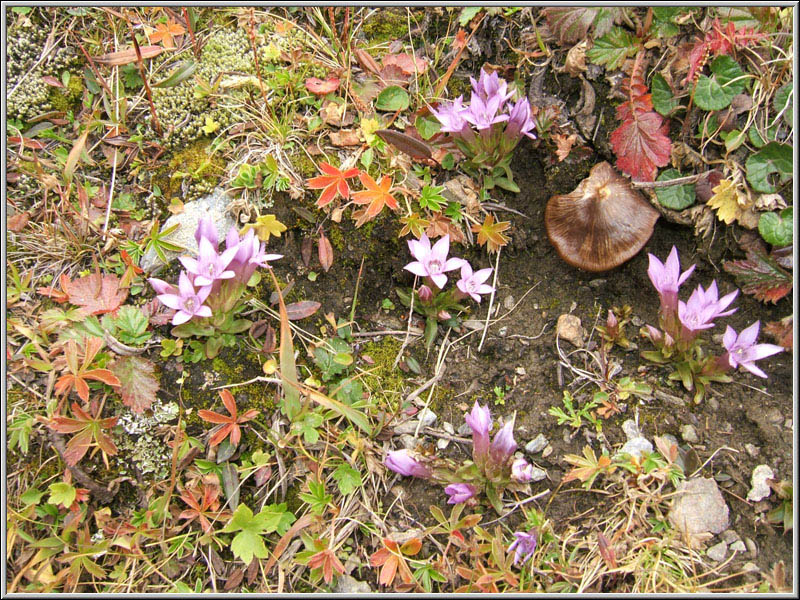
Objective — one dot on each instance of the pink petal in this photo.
(203, 293)
(482, 275)
(729, 339)
(417, 268)
(466, 270)
(169, 300)
(190, 263)
(203, 311)
(753, 369)
(180, 317)
(453, 263)
(485, 289)
(440, 279)
(749, 335)
(203, 280)
(441, 248)
(185, 286)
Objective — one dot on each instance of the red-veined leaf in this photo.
(137, 383)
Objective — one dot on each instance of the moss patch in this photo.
(385, 25)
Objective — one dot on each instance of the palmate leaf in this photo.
(761, 276)
(491, 233)
(96, 293)
(138, 384)
(572, 24)
(613, 48)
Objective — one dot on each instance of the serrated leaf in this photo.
(613, 48)
(641, 145)
(247, 544)
(96, 293)
(676, 197)
(392, 98)
(347, 478)
(467, 14)
(777, 229)
(772, 158)
(663, 100)
(138, 384)
(62, 493)
(717, 91)
(760, 276)
(572, 24)
(728, 200)
(491, 233)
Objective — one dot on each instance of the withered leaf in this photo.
(96, 293)
(138, 384)
(302, 309)
(124, 57)
(345, 137)
(305, 250)
(325, 252)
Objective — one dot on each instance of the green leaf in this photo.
(132, 324)
(247, 544)
(275, 518)
(733, 139)
(32, 496)
(391, 99)
(663, 100)
(467, 14)
(355, 416)
(777, 229)
(783, 102)
(180, 73)
(757, 140)
(613, 48)
(717, 91)
(366, 158)
(62, 493)
(347, 478)
(676, 197)
(427, 127)
(772, 158)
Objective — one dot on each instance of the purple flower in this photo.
(206, 229)
(743, 350)
(703, 307)
(401, 462)
(249, 254)
(521, 470)
(483, 114)
(472, 284)
(425, 293)
(503, 445)
(480, 421)
(489, 85)
(209, 266)
(667, 278)
(451, 116)
(519, 120)
(460, 492)
(432, 262)
(162, 287)
(187, 302)
(523, 547)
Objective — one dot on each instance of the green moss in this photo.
(336, 238)
(303, 164)
(194, 162)
(384, 379)
(385, 25)
(69, 98)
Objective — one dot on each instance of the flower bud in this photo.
(460, 492)
(425, 293)
(400, 461)
(443, 315)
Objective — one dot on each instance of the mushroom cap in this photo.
(600, 224)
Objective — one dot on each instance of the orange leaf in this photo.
(318, 87)
(333, 182)
(375, 196)
(124, 57)
(490, 233)
(96, 293)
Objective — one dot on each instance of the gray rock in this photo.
(752, 548)
(442, 443)
(729, 536)
(537, 444)
(407, 427)
(635, 447)
(718, 552)
(408, 441)
(427, 416)
(464, 429)
(569, 328)
(214, 205)
(689, 434)
(758, 481)
(631, 429)
(738, 546)
(346, 584)
(508, 302)
(537, 474)
(699, 510)
(752, 450)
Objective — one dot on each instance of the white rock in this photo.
(689, 434)
(408, 441)
(407, 426)
(635, 447)
(752, 449)
(547, 451)
(442, 443)
(758, 481)
(718, 552)
(631, 429)
(427, 416)
(537, 474)
(536, 444)
(464, 429)
(569, 328)
(345, 584)
(214, 205)
(448, 427)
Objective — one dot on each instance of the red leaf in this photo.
(27, 142)
(332, 182)
(318, 87)
(138, 385)
(760, 276)
(325, 252)
(408, 63)
(301, 310)
(640, 142)
(781, 332)
(97, 293)
(17, 222)
(52, 81)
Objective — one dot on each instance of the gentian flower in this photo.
(460, 492)
(667, 278)
(451, 116)
(401, 462)
(432, 262)
(521, 470)
(187, 302)
(425, 293)
(503, 445)
(743, 350)
(523, 547)
(472, 284)
(162, 287)
(480, 421)
(703, 307)
(483, 114)
(209, 266)
(519, 120)
(249, 254)
(206, 229)
(489, 85)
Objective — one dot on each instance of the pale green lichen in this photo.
(142, 444)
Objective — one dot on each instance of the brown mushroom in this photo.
(600, 224)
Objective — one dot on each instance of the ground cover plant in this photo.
(431, 299)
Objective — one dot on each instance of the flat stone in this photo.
(569, 328)
(631, 429)
(537, 444)
(464, 429)
(718, 552)
(699, 510)
(773, 415)
(758, 482)
(508, 303)
(407, 427)
(345, 584)
(547, 451)
(214, 205)
(635, 447)
(752, 548)
(729, 536)
(442, 443)
(689, 434)
(408, 441)
(738, 546)
(427, 416)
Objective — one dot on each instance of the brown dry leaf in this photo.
(124, 57)
(564, 144)
(441, 226)
(334, 113)
(393, 75)
(302, 309)
(17, 222)
(782, 332)
(345, 137)
(305, 250)
(96, 293)
(575, 63)
(325, 252)
(366, 62)
(731, 203)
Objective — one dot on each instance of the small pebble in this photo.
(442, 443)
(713, 404)
(729, 536)
(408, 441)
(689, 434)
(738, 546)
(751, 450)
(759, 488)
(718, 552)
(749, 567)
(596, 283)
(537, 444)
(427, 416)
(752, 548)
(568, 327)
(773, 415)
(448, 427)
(547, 451)
(788, 424)
(508, 303)
(537, 474)
(464, 429)
(631, 429)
